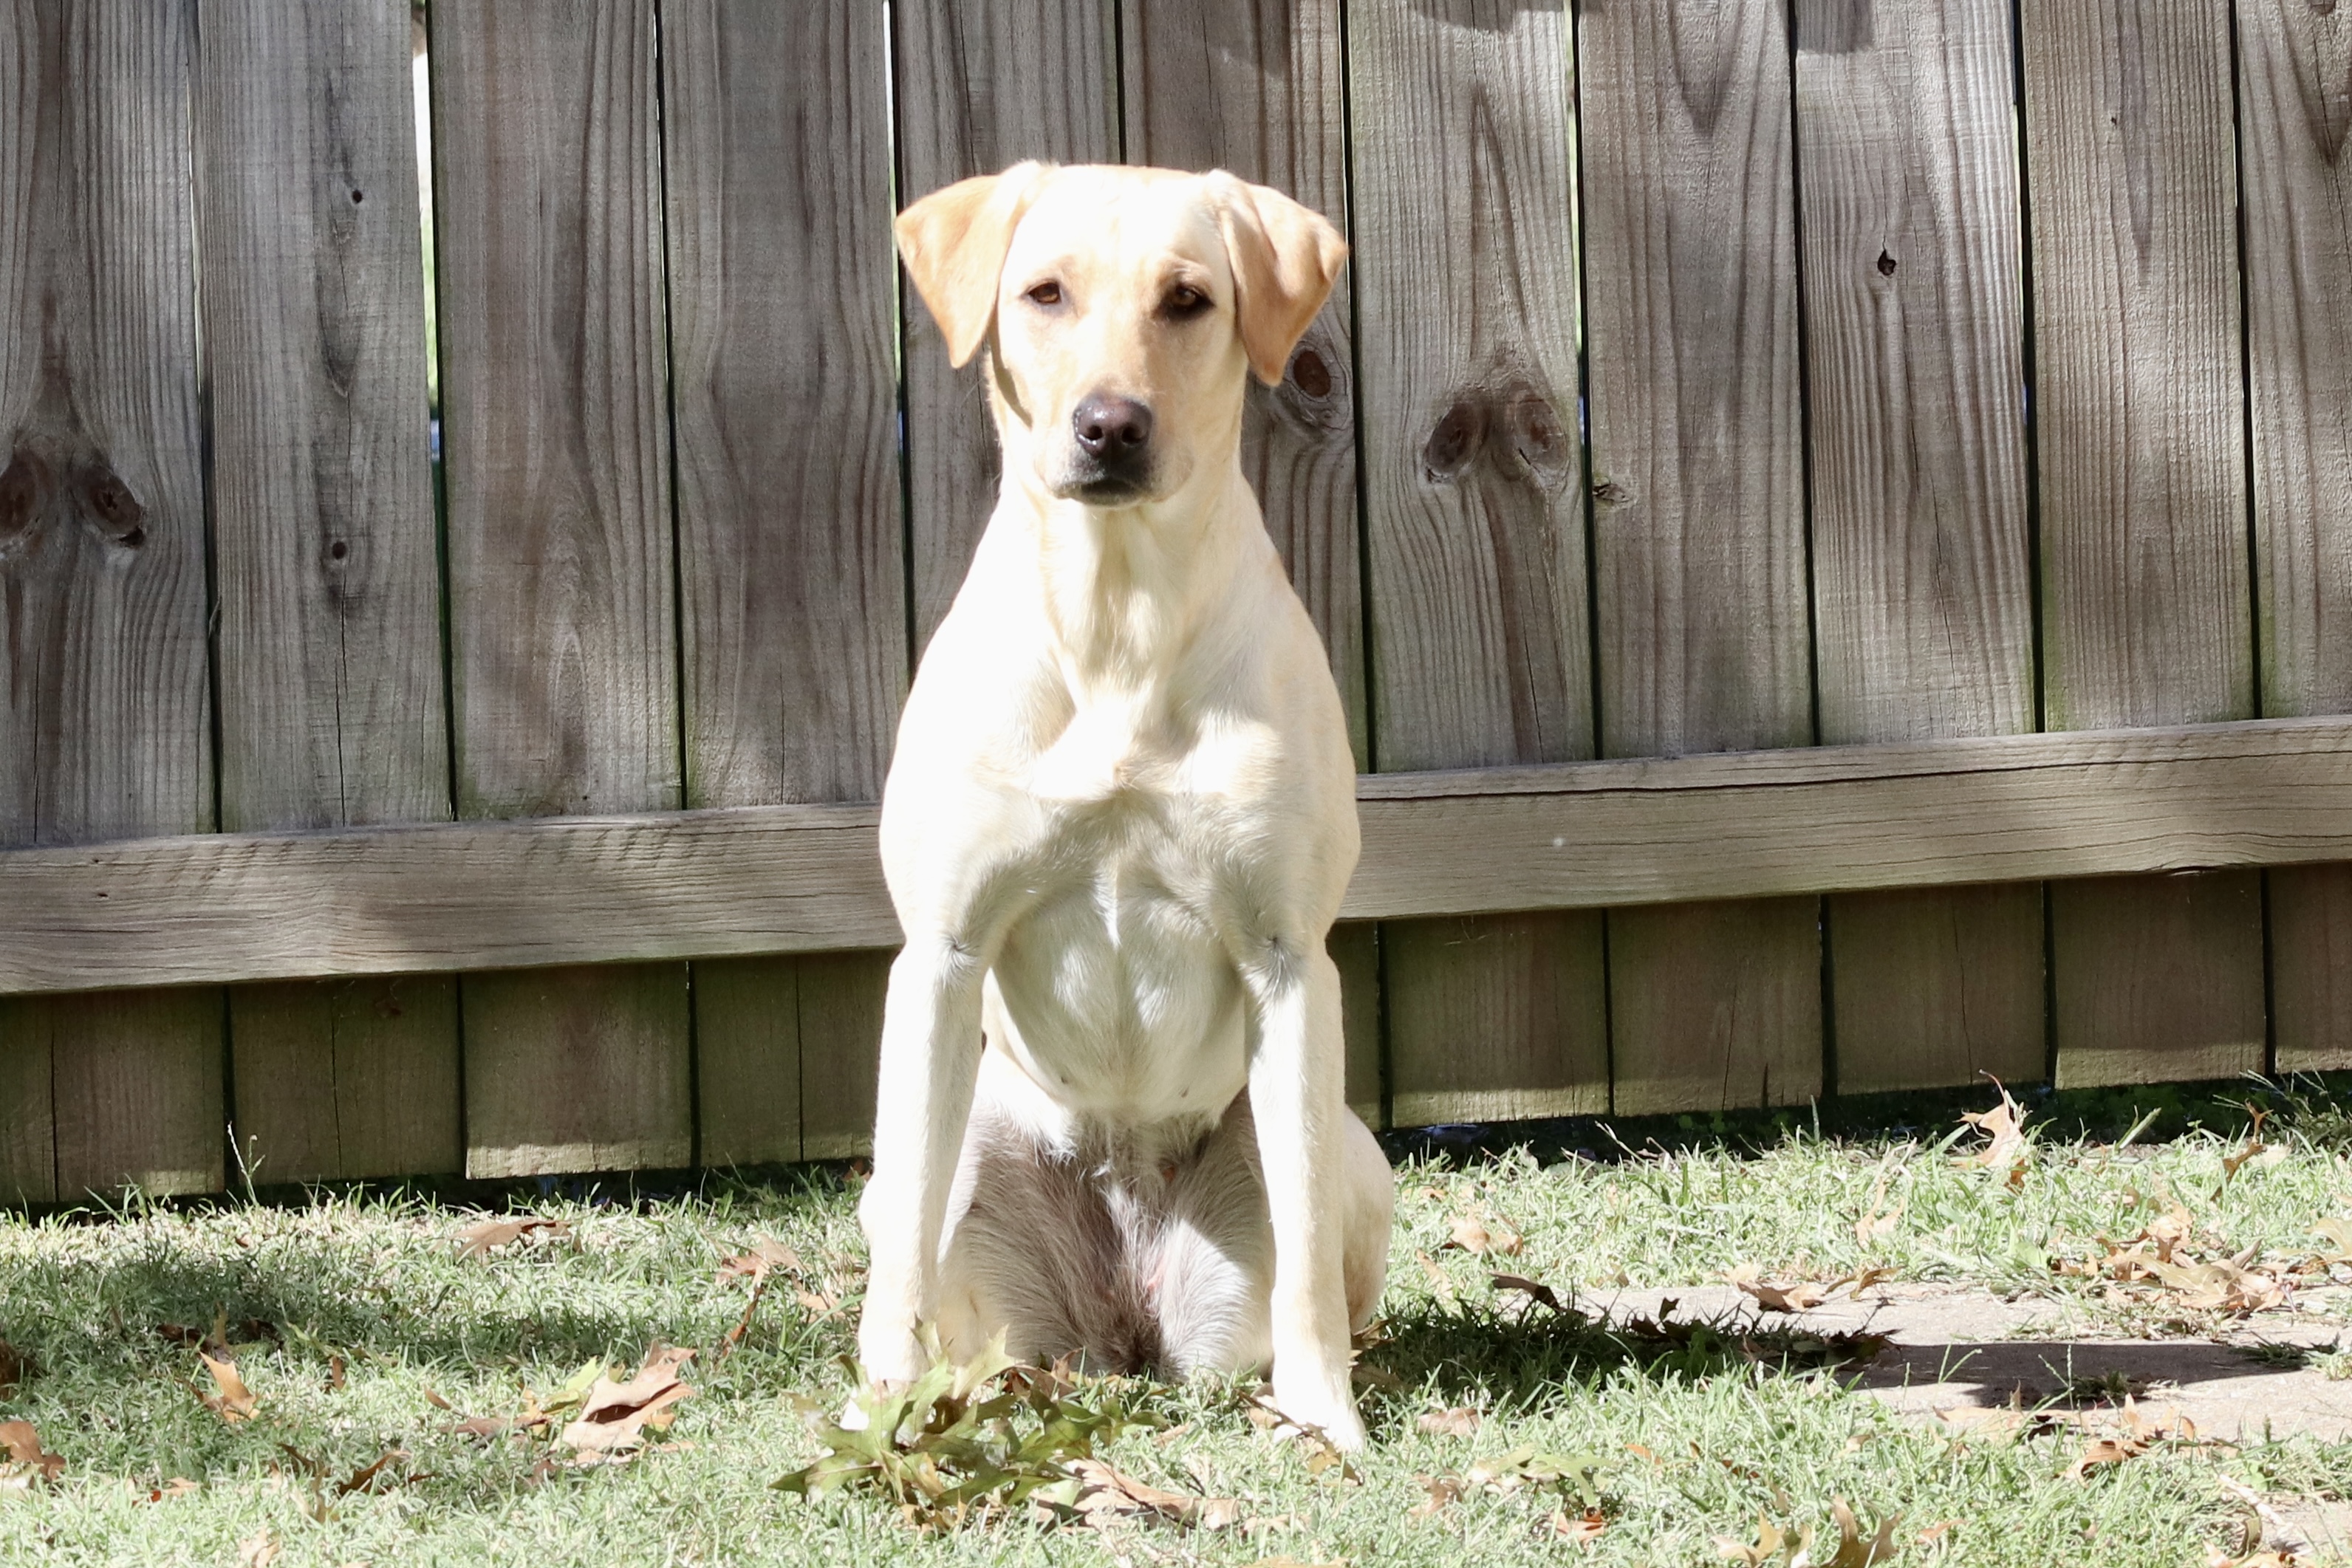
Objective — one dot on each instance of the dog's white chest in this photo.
(1117, 991)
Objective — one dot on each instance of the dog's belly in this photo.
(1119, 1001)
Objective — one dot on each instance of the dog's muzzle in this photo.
(1115, 454)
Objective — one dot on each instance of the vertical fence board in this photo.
(557, 473)
(1923, 595)
(2296, 139)
(783, 313)
(981, 84)
(1699, 530)
(104, 726)
(329, 642)
(1466, 271)
(1255, 89)
(2146, 609)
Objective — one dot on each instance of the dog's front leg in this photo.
(1297, 1094)
(930, 1055)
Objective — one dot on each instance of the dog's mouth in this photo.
(1108, 490)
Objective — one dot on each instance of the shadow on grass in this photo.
(2316, 1106)
(1513, 1354)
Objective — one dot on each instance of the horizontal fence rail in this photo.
(208, 909)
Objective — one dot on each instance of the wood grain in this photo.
(562, 621)
(783, 315)
(347, 1077)
(1466, 276)
(328, 654)
(104, 718)
(1255, 88)
(2145, 601)
(807, 879)
(1699, 504)
(1923, 611)
(2295, 127)
(981, 84)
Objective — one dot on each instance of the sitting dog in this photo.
(1117, 826)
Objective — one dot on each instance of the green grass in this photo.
(1695, 1438)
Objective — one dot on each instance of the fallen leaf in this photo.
(1777, 1298)
(1105, 1490)
(764, 1258)
(178, 1486)
(2102, 1452)
(1874, 1223)
(260, 1552)
(614, 1416)
(1442, 1493)
(1438, 1281)
(232, 1402)
(1473, 1234)
(24, 1446)
(491, 1234)
(1455, 1421)
(2006, 1144)
(1534, 1290)
(1579, 1528)
(2253, 1145)
(335, 1375)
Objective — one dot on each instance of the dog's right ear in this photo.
(954, 243)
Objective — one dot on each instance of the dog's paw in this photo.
(1329, 1413)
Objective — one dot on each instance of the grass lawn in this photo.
(359, 1329)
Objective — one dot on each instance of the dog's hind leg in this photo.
(1212, 1278)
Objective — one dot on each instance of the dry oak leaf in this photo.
(491, 1234)
(2006, 1144)
(613, 1417)
(1578, 1528)
(233, 1402)
(1105, 1490)
(1455, 1421)
(1534, 1290)
(765, 1257)
(1777, 1298)
(1443, 1491)
(1481, 1234)
(24, 1446)
(258, 1552)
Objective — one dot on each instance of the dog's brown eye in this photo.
(1045, 294)
(1186, 300)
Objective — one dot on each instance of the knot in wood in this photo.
(1310, 374)
(1454, 443)
(25, 486)
(110, 505)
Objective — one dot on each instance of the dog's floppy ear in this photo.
(1285, 258)
(954, 243)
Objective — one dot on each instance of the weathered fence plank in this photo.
(2294, 109)
(557, 470)
(1255, 89)
(1923, 608)
(1467, 273)
(104, 718)
(805, 879)
(782, 296)
(1698, 522)
(2143, 468)
(328, 654)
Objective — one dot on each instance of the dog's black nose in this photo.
(1114, 429)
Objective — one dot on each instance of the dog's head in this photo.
(1123, 308)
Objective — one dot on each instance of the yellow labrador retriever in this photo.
(1117, 826)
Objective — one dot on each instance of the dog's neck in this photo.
(1126, 591)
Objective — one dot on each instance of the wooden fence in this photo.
(1943, 410)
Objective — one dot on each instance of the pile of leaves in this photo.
(2163, 1259)
(1776, 1546)
(964, 1443)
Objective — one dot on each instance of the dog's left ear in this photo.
(1285, 258)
